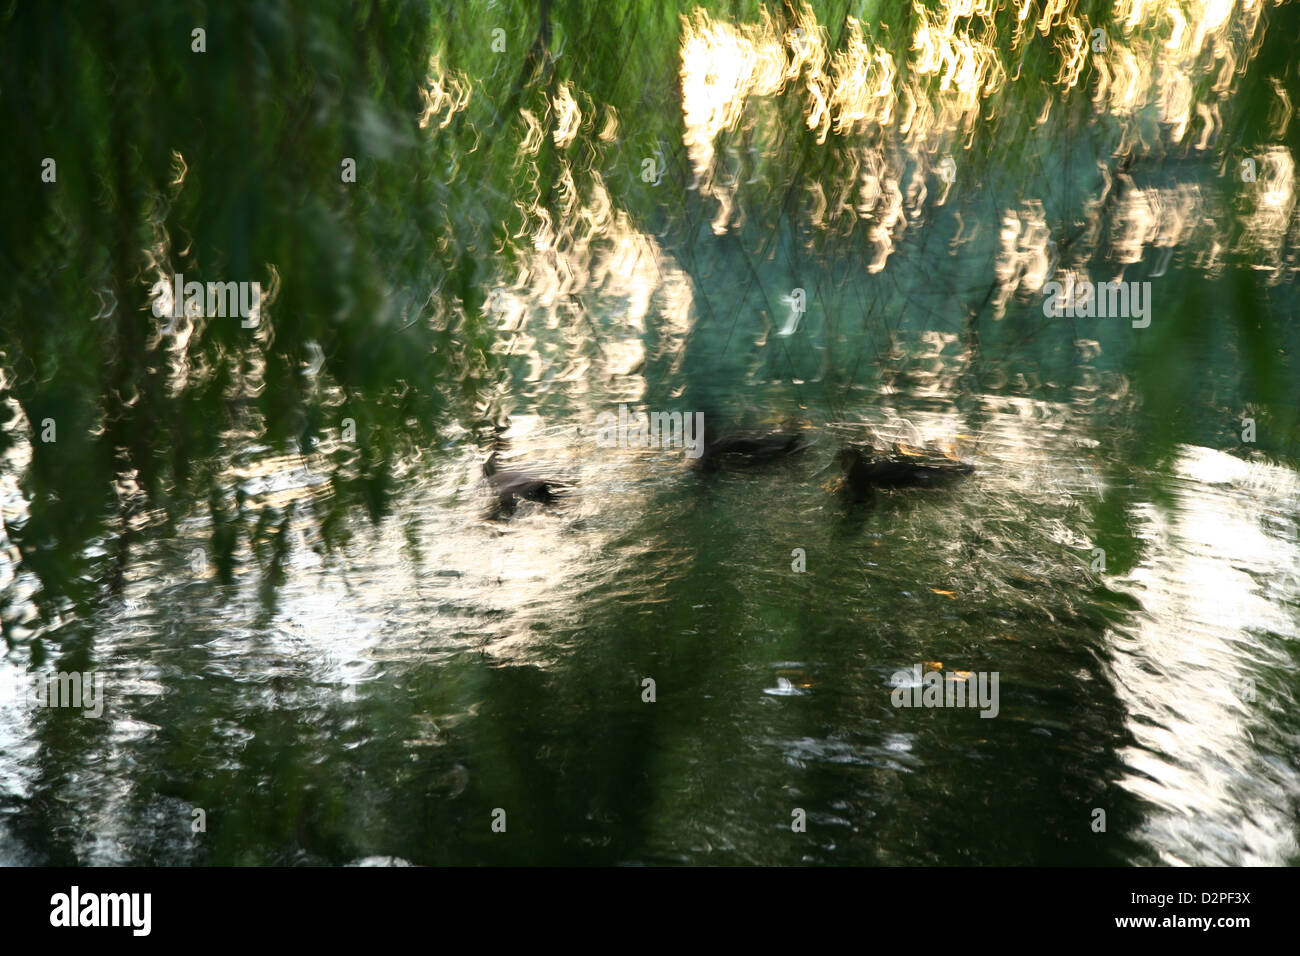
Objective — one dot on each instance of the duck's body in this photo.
(510, 487)
(865, 469)
(750, 448)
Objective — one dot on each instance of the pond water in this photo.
(445, 664)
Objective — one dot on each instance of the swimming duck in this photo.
(511, 486)
(867, 468)
(750, 448)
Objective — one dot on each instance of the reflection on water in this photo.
(446, 664)
(1210, 657)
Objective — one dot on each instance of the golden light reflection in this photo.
(445, 93)
(1270, 215)
(954, 77)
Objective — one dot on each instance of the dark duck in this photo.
(865, 469)
(510, 486)
(750, 448)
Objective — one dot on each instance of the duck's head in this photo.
(851, 455)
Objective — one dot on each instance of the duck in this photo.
(750, 448)
(511, 486)
(867, 468)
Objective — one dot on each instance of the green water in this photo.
(444, 665)
(323, 648)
